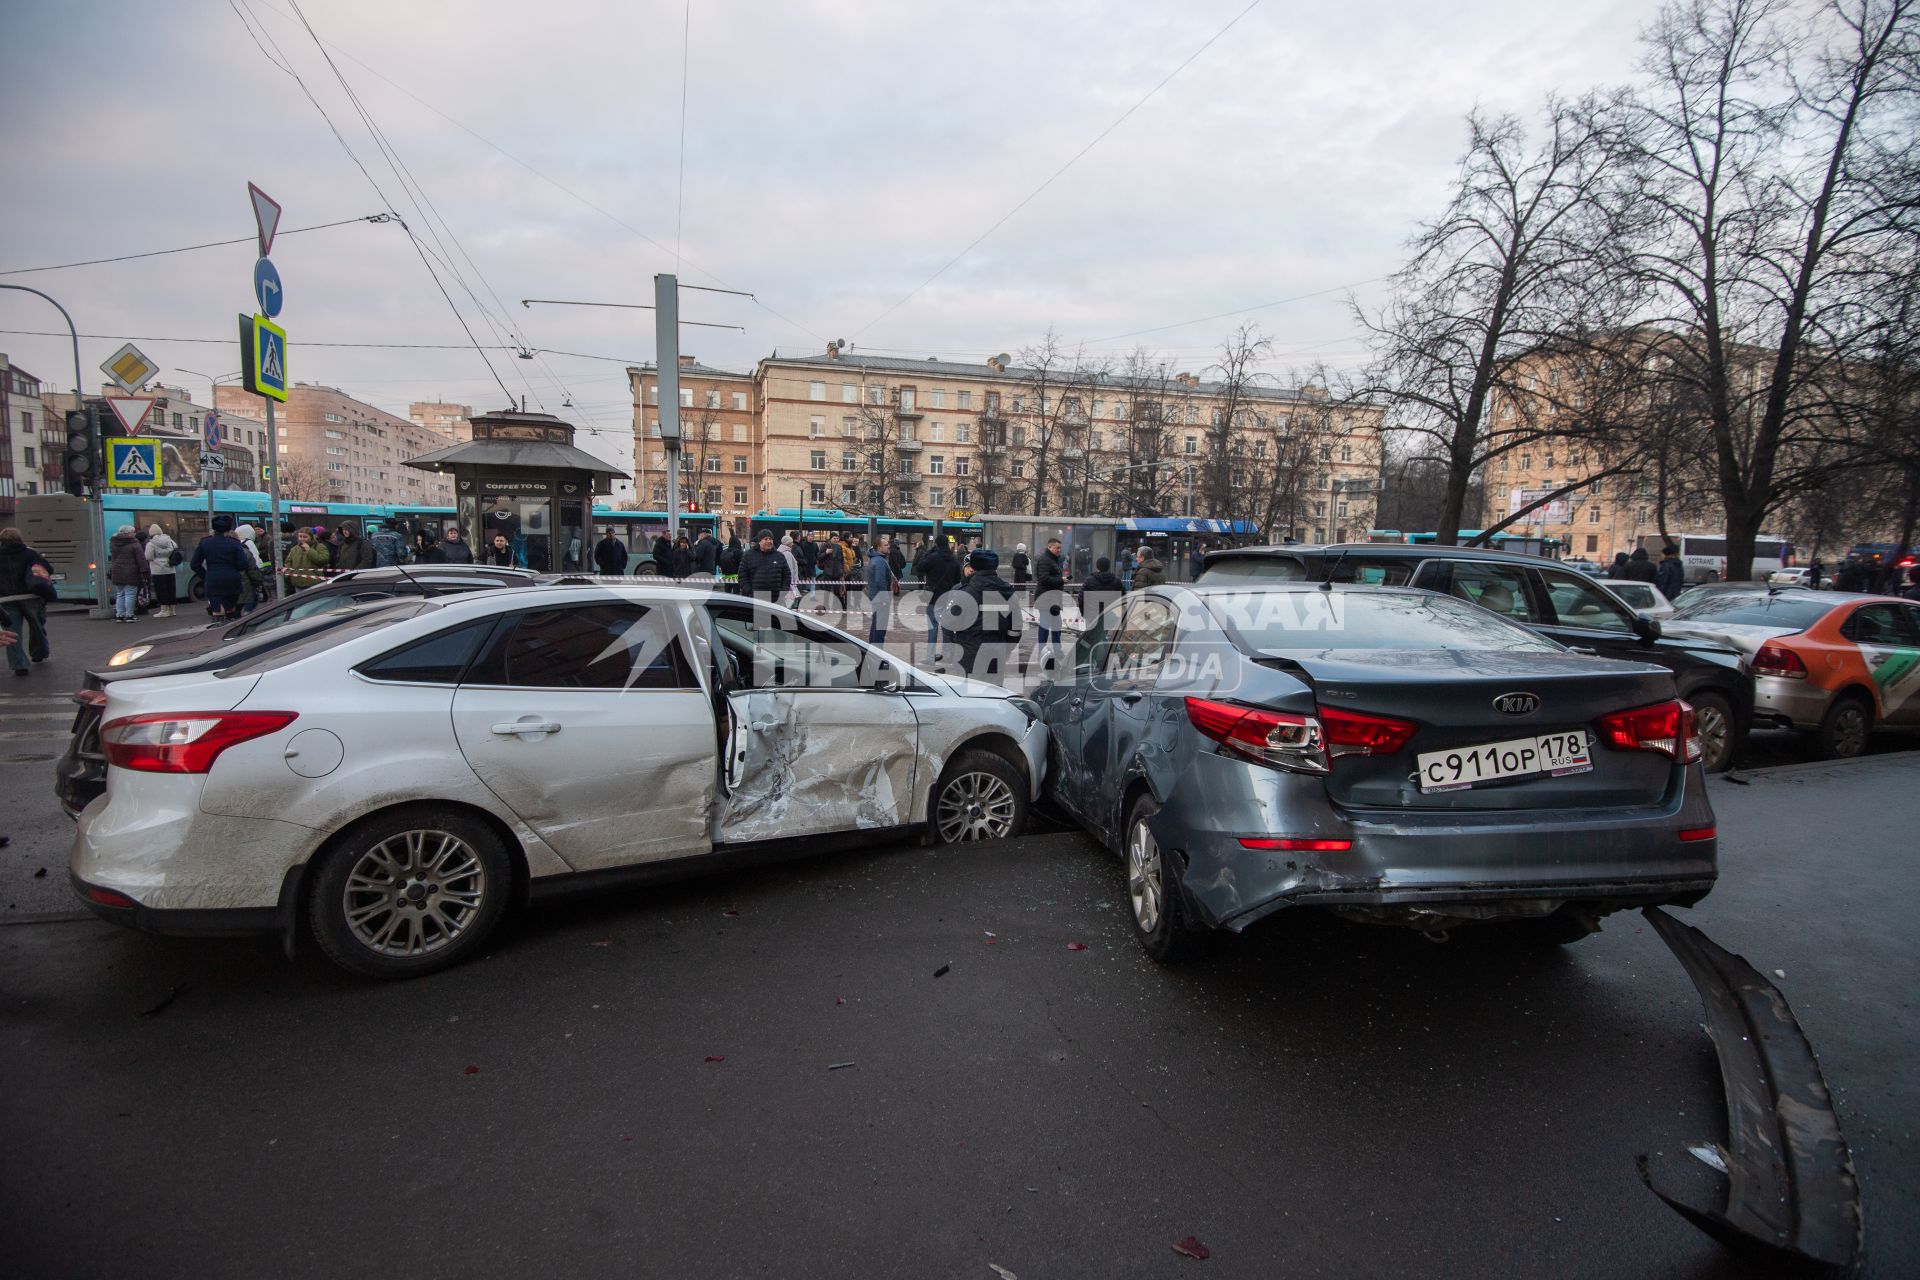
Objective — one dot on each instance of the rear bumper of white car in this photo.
(145, 855)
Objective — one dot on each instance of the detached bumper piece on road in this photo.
(1787, 1193)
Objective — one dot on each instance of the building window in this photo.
(876, 394)
(740, 401)
(962, 434)
(27, 454)
(819, 457)
(937, 398)
(686, 397)
(1019, 468)
(936, 497)
(714, 462)
(1593, 515)
(1346, 453)
(1526, 462)
(739, 433)
(816, 427)
(1593, 542)
(964, 399)
(740, 463)
(938, 432)
(739, 495)
(1189, 445)
(849, 394)
(849, 461)
(713, 399)
(815, 390)
(963, 466)
(816, 493)
(936, 465)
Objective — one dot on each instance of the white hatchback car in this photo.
(402, 785)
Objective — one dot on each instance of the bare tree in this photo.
(1773, 173)
(1227, 450)
(1513, 274)
(1050, 402)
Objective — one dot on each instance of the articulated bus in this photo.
(55, 526)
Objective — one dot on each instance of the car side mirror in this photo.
(1648, 629)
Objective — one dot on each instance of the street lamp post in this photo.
(95, 552)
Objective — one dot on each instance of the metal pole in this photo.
(666, 348)
(273, 501)
(96, 549)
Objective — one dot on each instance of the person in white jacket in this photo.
(253, 593)
(793, 569)
(161, 552)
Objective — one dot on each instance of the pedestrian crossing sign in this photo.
(133, 463)
(263, 357)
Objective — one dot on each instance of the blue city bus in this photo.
(901, 529)
(1525, 544)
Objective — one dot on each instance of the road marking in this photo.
(23, 736)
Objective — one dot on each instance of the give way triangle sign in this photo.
(131, 410)
(266, 216)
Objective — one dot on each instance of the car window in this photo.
(1255, 569)
(1307, 621)
(1497, 588)
(1090, 651)
(1578, 602)
(770, 650)
(597, 646)
(1638, 595)
(1881, 624)
(1753, 609)
(1144, 638)
(353, 622)
(440, 658)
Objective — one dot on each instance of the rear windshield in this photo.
(1316, 621)
(1367, 572)
(1255, 569)
(1754, 609)
(349, 624)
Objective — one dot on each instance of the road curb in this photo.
(1804, 766)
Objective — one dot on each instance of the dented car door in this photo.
(811, 745)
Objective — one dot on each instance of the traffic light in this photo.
(81, 466)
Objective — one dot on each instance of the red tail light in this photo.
(1666, 727)
(185, 741)
(1692, 834)
(1285, 739)
(1777, 660)
(1300, 844)
(1352, 733)
(90, 697)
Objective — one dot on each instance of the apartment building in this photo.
(721, 463)
(334, 448)
(455, 420)
(30, 452)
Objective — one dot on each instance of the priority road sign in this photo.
(131, 411)
(133, 464)
(266, 287)
(129, 368)
(263, 357)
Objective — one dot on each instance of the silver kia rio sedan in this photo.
(1392, 755)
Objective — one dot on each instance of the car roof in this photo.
(427, 572)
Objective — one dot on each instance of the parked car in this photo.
(401, 786)
(1835, 666)
(1794, 576)
(1641, 597)
(357, 585)
(1394, 755)
(1580, 564)
(1541, 594)
(80, 775)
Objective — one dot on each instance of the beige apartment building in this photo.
(721, 467)
(334, 448)
(931, 438)
(455, 420)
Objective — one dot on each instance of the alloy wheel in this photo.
(1143, 876)
(1715, 734)
(414, 893)
(1849, 730)
(975, 806)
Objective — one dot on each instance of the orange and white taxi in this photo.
(1832, 664)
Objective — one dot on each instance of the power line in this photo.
(1240, 311)
(1120, 120)
(191, 248)
(377, 346)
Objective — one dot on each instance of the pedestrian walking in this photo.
(452, 550)
(305, 561)
(896, 557)
(1101, 588)
(25, 572)
(763, 570)
(939, 573)
(1049, 590)
(1813, 573)
(126, 569)
(1022, 566)
(982, 616)
(1641, 569)
(222, 564)
(883, 584)
(1670, 575)
(499, 551)
(610, 556)
(1147, 570)
(163, 558)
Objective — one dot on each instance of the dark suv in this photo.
(1555, 601)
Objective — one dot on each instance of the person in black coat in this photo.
(222, 564)
(680, 559)
(1022, 566)
(706, 553)
(662, 554)
(1670, 575)
(806, 554)
(1101, 588)
(610, 556)
(1049, 585)
(896, 558)
(453, 551)
(1618, 569)
(499, 552)
(982, 616)
(763, 570)
(939, 573)
(1640, 569)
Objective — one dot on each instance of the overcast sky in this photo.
(837, 155)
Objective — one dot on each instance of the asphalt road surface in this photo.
(761, 1075)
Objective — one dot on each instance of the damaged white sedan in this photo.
(400, 786)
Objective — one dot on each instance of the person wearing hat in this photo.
(939, 573)
(126, 569)
(454, 550)
(306, 562)
(1022, 566)
(763, 570)
(982, 617)
(222, 564)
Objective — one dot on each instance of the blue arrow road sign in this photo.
(266, 287)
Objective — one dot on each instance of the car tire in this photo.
(1844, 729)
(1154, 903)
(980, 797)
(1719, 732)
(377, 901)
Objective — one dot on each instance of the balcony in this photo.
(993, 446)
(990, 482)
(994, 415)
(1073, 452)
(907, 446)
(906, 411)
(906, 478)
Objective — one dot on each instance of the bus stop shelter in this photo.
(521, 476)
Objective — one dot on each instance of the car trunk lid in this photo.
(1455, 700)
